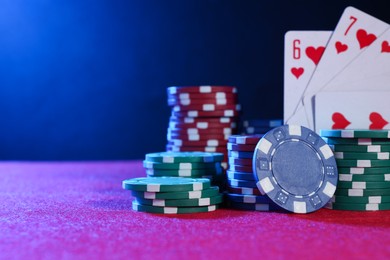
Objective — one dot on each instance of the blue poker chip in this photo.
(256, 130)
(295, 168)
(242, 183)
(270, 206)
(240, 175)
(253, 199)
(241, 155)
(263, 123)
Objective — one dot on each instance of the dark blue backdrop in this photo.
(86, 79)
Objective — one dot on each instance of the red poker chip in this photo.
(207, 107)
(245, 139)
(211, 142)
(190, 102)
(216, 95)
(188, 120)
(241, 147)
(240, 168)
(201, 89)
(210, 149)
(240, 161)
(202, 125)
(245, 191)
(198, 137)
(196, 113)
(196, 131)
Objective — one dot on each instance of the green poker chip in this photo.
(356, 133)
(367, 177)
(356, 141)
(211, 192)
(359, 170)
(180, 166)
(362, 185)
(362, 192)
(185, 172)
(361, 200)
(181, 202)
(358, 207)
(179, 157)
(172, 210)
(360, 148)
(166, 184)
(362, 156)
(363, 163)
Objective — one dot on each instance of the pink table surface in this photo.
(75, 210)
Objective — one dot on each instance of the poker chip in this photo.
(206, 193)
(240, 168)
(192, 96)
(205, 143)
(188, 102)
(263, 123)
(361, 148)
(255, 206)
(240, 155)
(211, 149)
(197, 137)
(256, 130)
(252, 199)
(240, 175)
(241, 147)
(198, 173)
(358, 207)
(209, 120)
(363, 163)
(362, 156)
(371, 177)
(165, 184)
(180, 166)
(206, 107)
(362, 192)
(171, 157)
(241, 183)
(202, 125)
(246, 139)
(367, 170)
(196, 131)
(363, 185)
(172, 210)
(197, 113)
(361, 200)
(200, 89)
(239, 161)
(356, 141)
(218, 199)
(356, 133)
(295, 168)
(243, 190)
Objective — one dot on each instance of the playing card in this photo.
(370, 71)
(302, 52)
(354, 32)
(352, 110)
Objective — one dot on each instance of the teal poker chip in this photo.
(356, 133)
(362, 163)
(361, 200)
(183, 157)
(361, 170)
(210, 192)
(362, 192)
(362, 156)
(181, 166)
(166, 184)
(363, 185)
(356, 141)
(218, 199)
(358, 207)
(172, 210)
(365, 177)
(378, 148)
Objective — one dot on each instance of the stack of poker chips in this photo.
(363, 163)
(242, 192)
(259, 126)
(186, 164)
(202, 118)
(173, 195)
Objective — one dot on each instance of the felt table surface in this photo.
(75, 210)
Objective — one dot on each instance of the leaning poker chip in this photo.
(362, 192)
(363, 185)
(188, 102)
(196, 131)
(358, 207)
(202, 125)
(241, 147)
(271, 206)
(368, 177)
(208, 142)
(239, 168)
(207, 107)
(240, 155)
(360, 148)
(253, 199)
(239, 161)
(201, 89)
(295, 168)
(361, 200)
(356, 133)
(356, 141)
(360, 170)
(172, 157)
(263, 123)
(246, 139)
(180, 166)
(240, 175)
(362, 156)
(165, 184)
(241, 184)
(218, 199)
(210, 192)
(243, 190)
(197, 113)
(172, 210)
(363, 163)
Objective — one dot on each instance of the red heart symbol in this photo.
(364, 38)
(377, 121)
(340, 47)
(297, 72)
(385, 46)
(315, 53)
(339, 121)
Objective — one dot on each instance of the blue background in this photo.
(86, 80)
